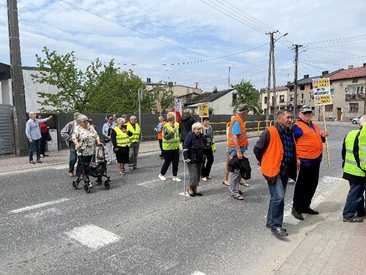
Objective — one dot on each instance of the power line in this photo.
(339, 40)
(130, 28)
(186, 62)
(234, 16)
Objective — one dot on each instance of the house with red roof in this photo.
(348, 88)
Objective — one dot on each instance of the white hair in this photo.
(120, 121)
(81, 118)
(196, 125)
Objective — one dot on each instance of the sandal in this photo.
(354, 219)
(238, 197)
(225, 182)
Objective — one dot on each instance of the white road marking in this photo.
(93, 236)
(45, 204)
(44, 213)
(198, 273)
(60, 167)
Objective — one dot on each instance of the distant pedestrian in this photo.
(159, 130)
(33, 133)
(193, 152)
(121, 144)
(134, 128)
(66, 134)
(354, 174)
(309, 148)
(185, 125)
(106, 134)
(170, 147)
(210, 148)
(45, 137)
(275, 152)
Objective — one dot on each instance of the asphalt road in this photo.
(143, 225)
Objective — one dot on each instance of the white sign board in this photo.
(321, 91)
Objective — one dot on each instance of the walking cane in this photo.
(184, 178)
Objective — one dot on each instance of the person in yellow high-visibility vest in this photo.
(170, 147)
(121, 144)
(134, 128)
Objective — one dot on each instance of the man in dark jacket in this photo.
(275, 152)
(185, 125)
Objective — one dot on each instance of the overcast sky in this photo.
(154, 38)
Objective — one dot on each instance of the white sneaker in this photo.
(161, 177)
(204, 179)
(176, 179)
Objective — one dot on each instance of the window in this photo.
(332, 91)
(265, 100)
(353, 107)
(355, 80)
(302, 88)
(282, 99)
(329, 108)
(235, 96)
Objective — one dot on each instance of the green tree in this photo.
(247, 95)
(163, 98)
(98, 89)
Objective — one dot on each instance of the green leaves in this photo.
(247, 95)
(98, 89)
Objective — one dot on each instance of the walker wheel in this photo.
(75, 184)
(107, 184)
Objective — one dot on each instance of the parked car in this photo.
(356, 120)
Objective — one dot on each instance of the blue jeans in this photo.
(72, 158)
(354, 198)
(35, 146)
(277, 190)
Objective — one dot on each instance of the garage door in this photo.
(6, 142)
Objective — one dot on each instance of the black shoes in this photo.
(279, 231)
(297, 214)
(310, 211)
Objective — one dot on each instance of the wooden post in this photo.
(326, 138)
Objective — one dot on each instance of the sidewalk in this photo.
(330, 246)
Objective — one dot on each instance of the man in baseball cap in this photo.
(306, 109)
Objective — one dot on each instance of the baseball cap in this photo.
(305, 109)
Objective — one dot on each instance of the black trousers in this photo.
(171, 156)
(306, 184)
(206, 167)
(43, 143)
(83, 166)
(161, 147)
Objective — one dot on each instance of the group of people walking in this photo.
(285, 150)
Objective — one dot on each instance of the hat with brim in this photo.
(306, 109)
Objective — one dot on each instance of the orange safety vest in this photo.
(160, 134)
(309, 145)
(242, 138)
(273, 155)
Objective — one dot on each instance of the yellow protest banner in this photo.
(203, 110)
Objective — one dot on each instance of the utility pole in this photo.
(296, 48)
(269, 79)
(274, 77)
(17, 82)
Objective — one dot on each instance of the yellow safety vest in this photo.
(135, 132)
(350, 164)
(362, 147)
(173, 143)
(122, 139)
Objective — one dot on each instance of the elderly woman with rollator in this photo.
(121, 144)
(193, 152)
(85, 139)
